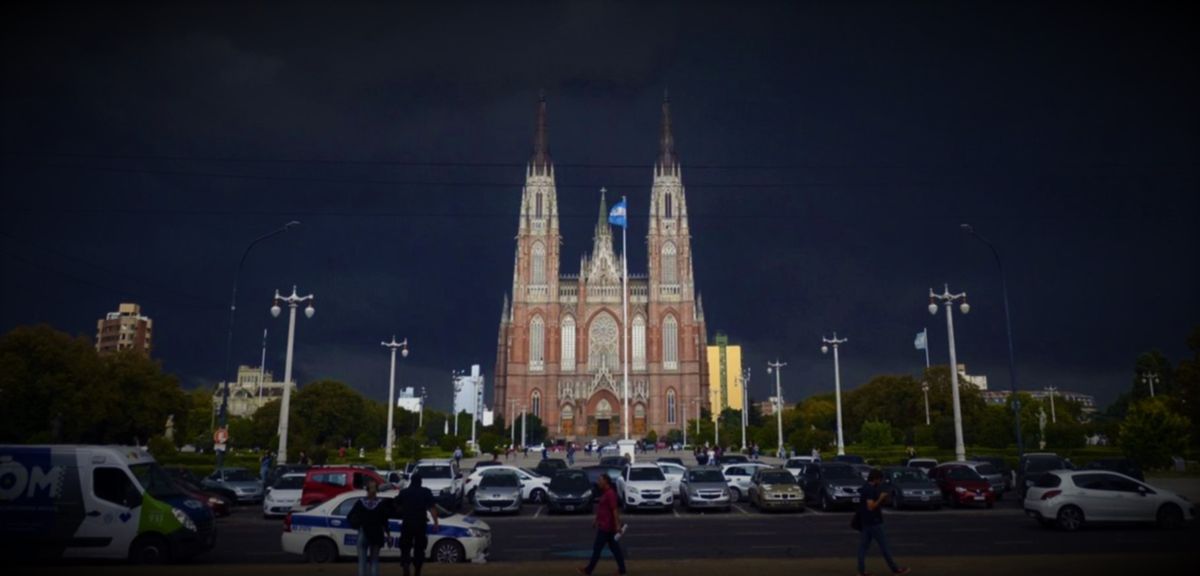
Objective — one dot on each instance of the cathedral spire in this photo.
(602, 228)
(540, 161)
(666, 141)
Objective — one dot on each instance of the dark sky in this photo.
(830, 152)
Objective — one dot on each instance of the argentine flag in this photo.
(616, 216)
(921, 341)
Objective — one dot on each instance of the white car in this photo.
(322, 534)
(739, 477)
(1069, 498)
(533, 487)
(645, 486)
(443, 478)
(283, 495)
(674, 473)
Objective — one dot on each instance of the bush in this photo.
(449, 442)
(652, 436)
(876, 434)
(408, 448)
(490, 443)
(161, 448)
(674, 436)
(1151, 434)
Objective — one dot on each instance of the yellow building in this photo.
(724, 376)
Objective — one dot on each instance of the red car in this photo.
(323, 483)
(960, 485)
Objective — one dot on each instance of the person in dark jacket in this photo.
(870, 520)
(370, 515)
(414, 503)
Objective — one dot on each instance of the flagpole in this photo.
(625, 319)
(926, 347)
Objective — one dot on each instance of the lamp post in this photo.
(925, 389)
(745, 405)
(523, 442)
(421, 410)
(777, 366)
(837, 384)
(1012, 363)
(949, 299)
(1052, 390)
(512, 425)
(225, 369)
(403, 348)
(456, 381)
(478, 408)
(292, 302)
(1150, 379)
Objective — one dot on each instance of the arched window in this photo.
(639, 343)
(669, 265)
(568, 343)
(671, 418)
(539, 263)
(537, 344)
(603, 409)
(667, 201)
(670, 343)
(535, 403)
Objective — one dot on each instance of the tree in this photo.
(674, 436)
(1151, 434)
(897, 400)
(876, 434)
(1187, 381)
(327, 413)
(491, 443)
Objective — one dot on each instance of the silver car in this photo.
(705, 487)
(244, 486)
(498, 492)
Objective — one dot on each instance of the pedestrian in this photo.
(304, 461)
(458, 454)
(608, 527)
(264, 466)
(571, 454)
(416, 505)
(525, 448)
(370, 517)
(816, 454)
(544, 455)
(869, 521)
(712, 457)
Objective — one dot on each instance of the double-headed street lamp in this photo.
(837, 384)
(292, 302)
(776, 366)
(745, 405)
(946, 297)
(1150, 379)
(456, 383)
(403, 348)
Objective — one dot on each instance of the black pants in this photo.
(608, 538)
(412, 546)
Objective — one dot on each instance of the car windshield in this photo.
(840, 473)
(963, 474)
(239, 475)
(703, 476)
(645, 474)
(437, 471)
(908, 475)
(155, 480)
(289, 483)
(986, 469)
(499, 480)
(567, 482)
(778, 478)
(1044, 464)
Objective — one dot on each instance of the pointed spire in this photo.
(505, 315)
(602, 225)
(666, 140)
(541, 145)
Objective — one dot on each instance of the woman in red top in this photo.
(608, 525)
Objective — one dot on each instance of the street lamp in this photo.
(949, 299)
(1150, 379)
(456, 380)
(292, 302)
(393, 346)
(925, 389)
(421, 408)
(745, 405)
(776, 366)
(224, 412)
(837, 384)
(1012, 363)
(1052, 390)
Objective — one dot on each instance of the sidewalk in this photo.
(973, 565)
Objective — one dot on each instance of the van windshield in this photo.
(155, 480)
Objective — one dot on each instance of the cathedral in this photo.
(561, 345)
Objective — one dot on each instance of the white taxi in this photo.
(322, 534)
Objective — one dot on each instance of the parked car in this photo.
(1070, 499)
(990, 473)
(569, 491)
(614, 461)
(796, 465)
(322, 534)
(1002, 465)
(485, 463)
(776, 489)
(282, 469)
(644, 486)
(671, 460)
(610, 448)
(498, 491)
(443, 479)
(533, 486)
(246, 487)
(831, 485)
(910, 487)
(961, 485)
(674, 474)
(283, 495)
(925, 464)
(850, 459)
(705, 487)
(738, 477)
(221, 503)
(548, 466)
(1032, 465)
(324, 482)
(1119, 465)
(594, 473)
(863, 469)
(732, 459)
(537, 447)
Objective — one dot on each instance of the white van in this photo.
(97, 502)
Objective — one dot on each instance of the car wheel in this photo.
(1070, 518)
(150, 549)
(537, 496)
(448, 551)
(321, 551)
(1170, 517)
(735, 494)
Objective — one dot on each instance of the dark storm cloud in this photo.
(830, 152)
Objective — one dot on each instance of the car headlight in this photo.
(476, 532)
(960, 489)
(184, 519)
(214, 501)
(587, 495)
(632, 490)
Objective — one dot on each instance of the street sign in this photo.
(221, 436)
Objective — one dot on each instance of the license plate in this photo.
(569, 508)
(980, 498)
(496, 508)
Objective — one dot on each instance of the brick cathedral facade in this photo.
(561, 340)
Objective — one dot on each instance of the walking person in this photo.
(869, 520)
(608, 527)
(370, 516)
(571, 454)
(264, 466)
(416, 505)
(458, 454)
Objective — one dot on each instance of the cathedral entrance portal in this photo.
(602, 427)
(603, 418)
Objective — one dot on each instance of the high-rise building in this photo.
(408, 400)
(468, 391)
(561, 342)
(724, 375)
(125, 329)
